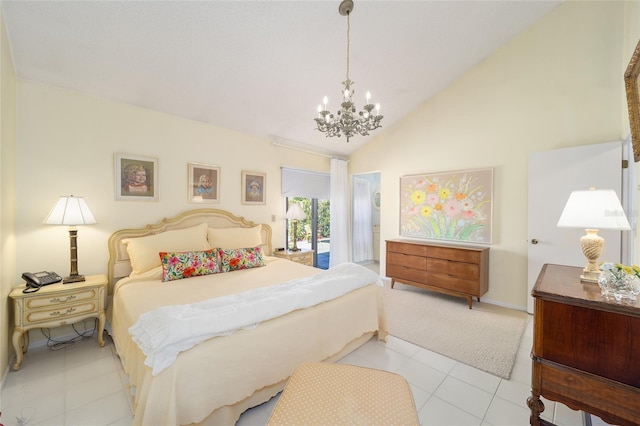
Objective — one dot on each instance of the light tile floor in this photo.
(83, 384)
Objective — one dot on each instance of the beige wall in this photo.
(66, 145)
(7, 190)
(558, 84)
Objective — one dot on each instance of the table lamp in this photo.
(592, 210)
(71, 211)
(294, 214)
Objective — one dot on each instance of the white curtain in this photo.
(339, 211)
(362, 224)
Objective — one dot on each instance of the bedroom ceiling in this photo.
(260, 67)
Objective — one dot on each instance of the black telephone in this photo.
(35, 280)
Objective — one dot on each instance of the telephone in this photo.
(35, 280)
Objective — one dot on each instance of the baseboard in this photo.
(504, 305)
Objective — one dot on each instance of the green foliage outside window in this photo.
(304, 226)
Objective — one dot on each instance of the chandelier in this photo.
(347, 121)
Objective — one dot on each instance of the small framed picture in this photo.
(136, 178)
(254, 187)
(204, 183)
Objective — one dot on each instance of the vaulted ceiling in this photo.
(260, 67)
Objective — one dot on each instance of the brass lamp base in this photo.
(73, 279)
(295, 236)
(74, 276)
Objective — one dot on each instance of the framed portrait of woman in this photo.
(136, 178)
(204, 183)
(254, 187)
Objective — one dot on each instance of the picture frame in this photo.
(254, 187)
(454, 206)
(204, 183)
(631, 85)
(136, 177)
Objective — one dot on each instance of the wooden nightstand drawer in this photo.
(59, 313)
(303, 256)
(58, 299)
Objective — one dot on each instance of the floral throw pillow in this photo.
(243, 258)
(178, 265)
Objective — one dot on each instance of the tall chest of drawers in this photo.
(453, 269)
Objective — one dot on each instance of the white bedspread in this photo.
(165, 332)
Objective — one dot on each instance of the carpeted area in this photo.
(486, 337)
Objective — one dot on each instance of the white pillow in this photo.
(235, 238)
(144, 251)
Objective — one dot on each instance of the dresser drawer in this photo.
(452, 283)
(400, 273)
(456, 254)
(59, 313)
(407, 260)
(37, 302)
(457, 269)
(305, 259)
(406, 248)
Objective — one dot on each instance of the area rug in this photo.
(485, 337)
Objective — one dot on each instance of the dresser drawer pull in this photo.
(66, 299)
(67, 312)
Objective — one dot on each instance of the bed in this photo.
(217, 379)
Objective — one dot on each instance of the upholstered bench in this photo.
(320, 393)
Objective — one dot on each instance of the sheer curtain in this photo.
(339, 210)
(362, 224)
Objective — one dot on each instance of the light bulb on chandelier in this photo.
(347, 121)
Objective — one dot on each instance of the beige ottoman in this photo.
(320, 393)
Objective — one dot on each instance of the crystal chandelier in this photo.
(347, 121)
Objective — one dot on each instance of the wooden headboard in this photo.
(119, 265)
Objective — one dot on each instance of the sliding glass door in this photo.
(313, 232)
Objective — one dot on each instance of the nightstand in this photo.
(303, 256)
(56, 305)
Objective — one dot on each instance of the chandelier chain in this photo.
(348, 42)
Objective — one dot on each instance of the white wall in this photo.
(66, 145)
(557, 84)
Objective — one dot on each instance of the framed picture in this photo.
(254, 187)
(204, 183)
(136, 178)
(631, 80)
(455, 206)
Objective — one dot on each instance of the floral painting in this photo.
(447, 206)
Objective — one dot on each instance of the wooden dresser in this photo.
(454, 269)
(585, 349)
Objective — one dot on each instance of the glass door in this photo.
(313, 232)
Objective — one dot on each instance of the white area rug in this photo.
(486, 337)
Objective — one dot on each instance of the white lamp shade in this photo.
(594, 209)
(70, 210)
(295, 212)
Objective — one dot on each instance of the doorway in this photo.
(552, 176)
(366, 218)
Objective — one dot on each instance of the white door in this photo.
(552, 177)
